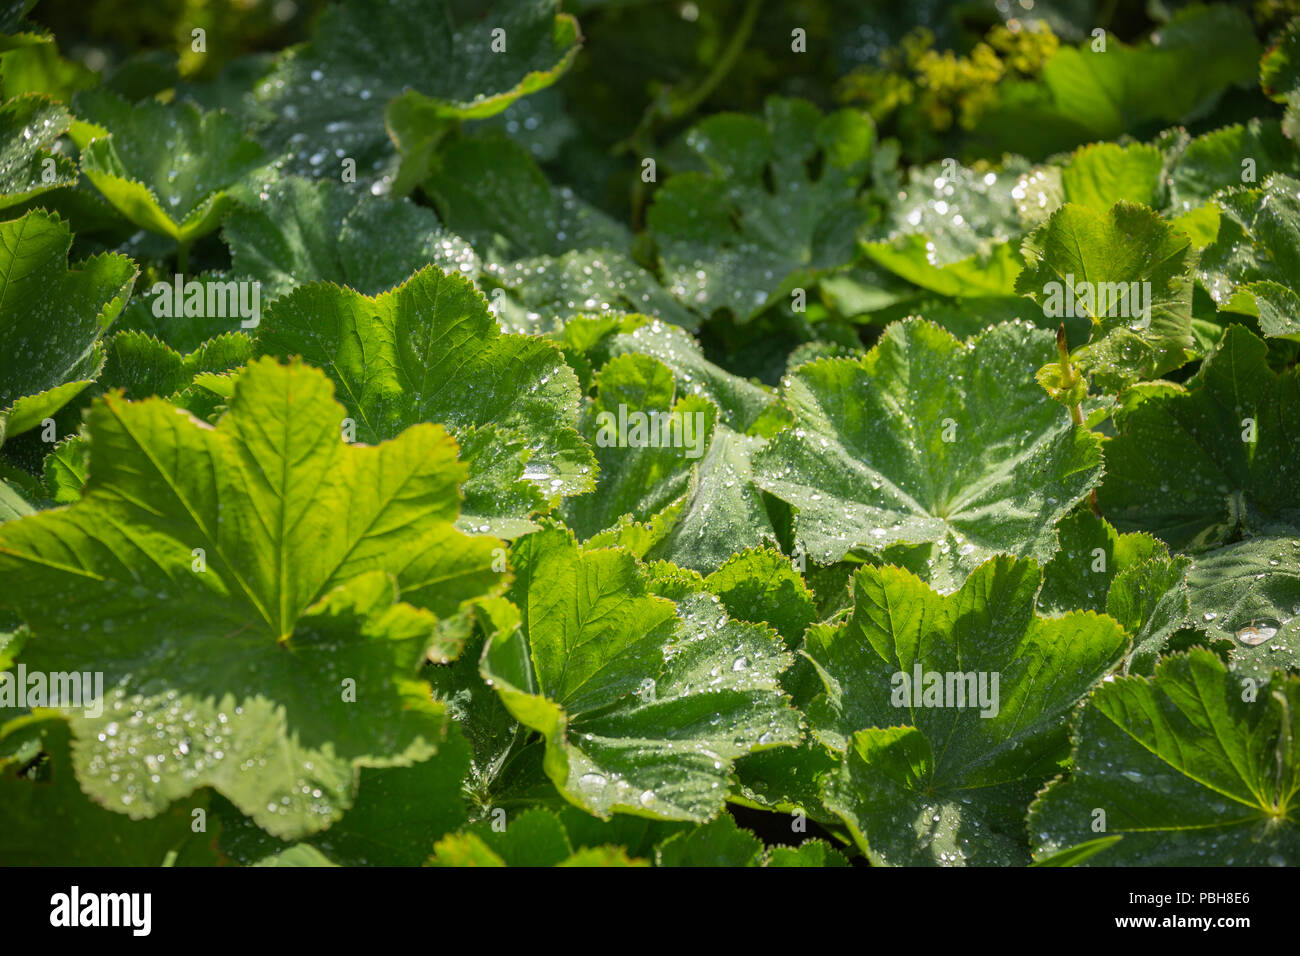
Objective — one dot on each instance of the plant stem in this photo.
(688, 104)
(1069, 375)
(182, 257)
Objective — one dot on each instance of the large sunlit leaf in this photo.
(238, 588)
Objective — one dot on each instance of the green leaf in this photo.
(1218, 160)
(1179, 74)
(555, 254)
(1184, 769)
(307, 231)
(398, 815)
(328, 98)
(717, 843)
(430, 350)
(1130, 273)
(142, 366)
(1247, 595)
(230, 582)
(168, 168)
(1257, 254)
(756, 224)
(1131, 577)
(1102, 174)
(29, 127)
(674, 484)
(50, 822)
(644, 702)
(1279, 75)
(761, 586)
(52, 318)
(869, 464)
(743, 405)
(963, 698)
(952, 229)
(13, 504)
(65, 470)
(1194, 464)
(534, 838)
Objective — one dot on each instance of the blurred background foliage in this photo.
(938, 75)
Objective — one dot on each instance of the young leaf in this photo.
(1131, 577)
(1184, 768)
(643, 702)
(237, 586)
(963, 698)
(1130, 273)
(51, 318)
(534, 838)
(927, 440)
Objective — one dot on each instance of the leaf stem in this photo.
(182, 256)
(692, 100)
(1069, 375)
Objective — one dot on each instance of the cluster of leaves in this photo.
(381, 574)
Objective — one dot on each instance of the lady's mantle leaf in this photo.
(963, 698)
(1185, 768)
(430, 350)
(1130, 273)
(644, 703)
(236, 586)
(306, 231)
(165, 167)
(533, 838)
(953, 229)
(1195, 464)
(328, 98)
(757, 224)
(555, 254)
(1247, 595)
(398, 814)
(1131, 577)
(51, 318)
(50, 822)
(928, 440)
(28, 126)
(1253, 264)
